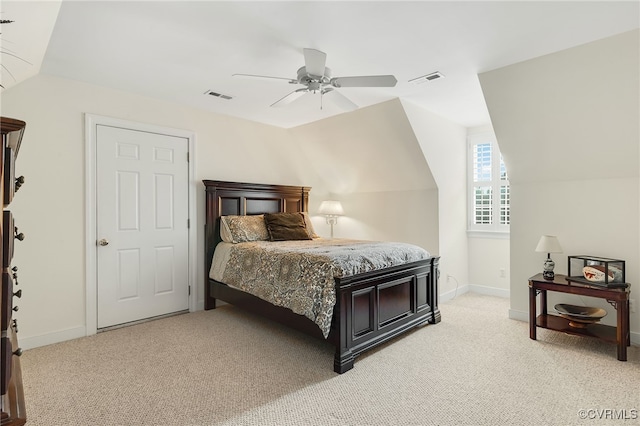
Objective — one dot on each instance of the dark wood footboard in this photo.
(370, 309)
(376, 307)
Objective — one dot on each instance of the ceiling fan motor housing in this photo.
(313, 82)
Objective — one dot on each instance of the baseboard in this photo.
(490, 291)
(519, 315)
(51, 338)
(472, 288)
(77, 332)
(450, 295)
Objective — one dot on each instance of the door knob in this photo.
(103, 242)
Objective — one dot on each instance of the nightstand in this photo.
(617, 297)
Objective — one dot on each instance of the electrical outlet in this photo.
(503, 273)
(448, 277)
(632, 305)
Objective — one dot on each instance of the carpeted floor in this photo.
(476, 367)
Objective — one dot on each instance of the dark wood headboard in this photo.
(234, 198)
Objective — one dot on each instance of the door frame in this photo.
(91, 248)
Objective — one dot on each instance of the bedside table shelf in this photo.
(599, 331)
(617, 297)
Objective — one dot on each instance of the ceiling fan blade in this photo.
(286, 100)
(339, 99)
(365, 81)
(314, 62)
(264, 77)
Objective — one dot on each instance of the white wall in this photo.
(568, 127)
(49, 208)
(489, 266)
(443, 144)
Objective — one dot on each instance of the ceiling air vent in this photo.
(217, 95)
(429, 77)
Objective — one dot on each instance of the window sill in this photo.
(498, 235)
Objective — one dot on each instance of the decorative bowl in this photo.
(580, 316)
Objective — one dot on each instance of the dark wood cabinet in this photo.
(12, 408)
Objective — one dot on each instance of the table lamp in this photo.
(331, 210)
(548, 244)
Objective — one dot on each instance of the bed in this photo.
(370, 308)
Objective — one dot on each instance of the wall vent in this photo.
(217, 95)
(429, 77)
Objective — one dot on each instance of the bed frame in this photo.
(371, 308)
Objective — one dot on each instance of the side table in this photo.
(617, 297)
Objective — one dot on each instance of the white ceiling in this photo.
(176, 51)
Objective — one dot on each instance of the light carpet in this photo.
(228, 367)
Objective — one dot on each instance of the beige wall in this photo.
(568, 127)
(400, 172)
(50, 207)
(443, 144)
(489, 265)
(488, 253)
(369, 158)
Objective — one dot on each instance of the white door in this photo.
(142, 228)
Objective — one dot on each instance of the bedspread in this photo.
(299, 275)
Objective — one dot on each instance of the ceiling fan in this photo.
(316, 77)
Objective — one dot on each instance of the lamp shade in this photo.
(331, 208)
(549, 244)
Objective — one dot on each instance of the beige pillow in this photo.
(240, 229)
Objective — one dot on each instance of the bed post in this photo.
(209, 241)
(433, 289)
(344, 358)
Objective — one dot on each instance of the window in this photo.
(489, 195)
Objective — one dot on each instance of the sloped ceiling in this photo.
(373, 149)
(177, 50)
(557, 118)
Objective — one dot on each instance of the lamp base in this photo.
(547, 268)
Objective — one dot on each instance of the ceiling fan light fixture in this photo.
(425, 78)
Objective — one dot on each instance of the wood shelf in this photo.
(599, 331)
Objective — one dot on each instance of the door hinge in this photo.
(188, 223)
(189, 290)
(187, 156)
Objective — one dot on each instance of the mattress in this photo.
(300, 275)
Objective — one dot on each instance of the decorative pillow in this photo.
(240, 229)
(309, 225)
(286, 226)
